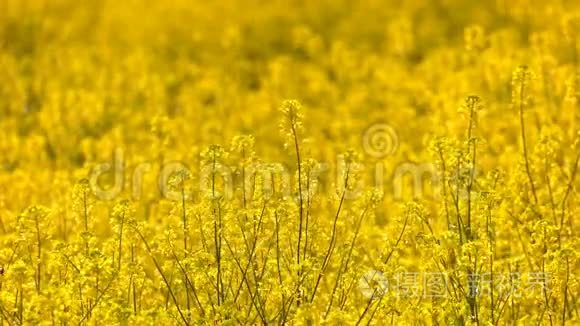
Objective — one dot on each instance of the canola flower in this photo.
(323, 162)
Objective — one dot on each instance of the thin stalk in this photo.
(38, 254)
(491, 249)
(190, 284)
(524, 142)
(443, 173)
(217, 238)
(332, 243)
(160, 270)
(565, 305)
(470, 141)
(184, 216)
(121, 240)
(300, 202)
(345, 261)
(86, 218)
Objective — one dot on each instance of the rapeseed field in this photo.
(289, 162)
